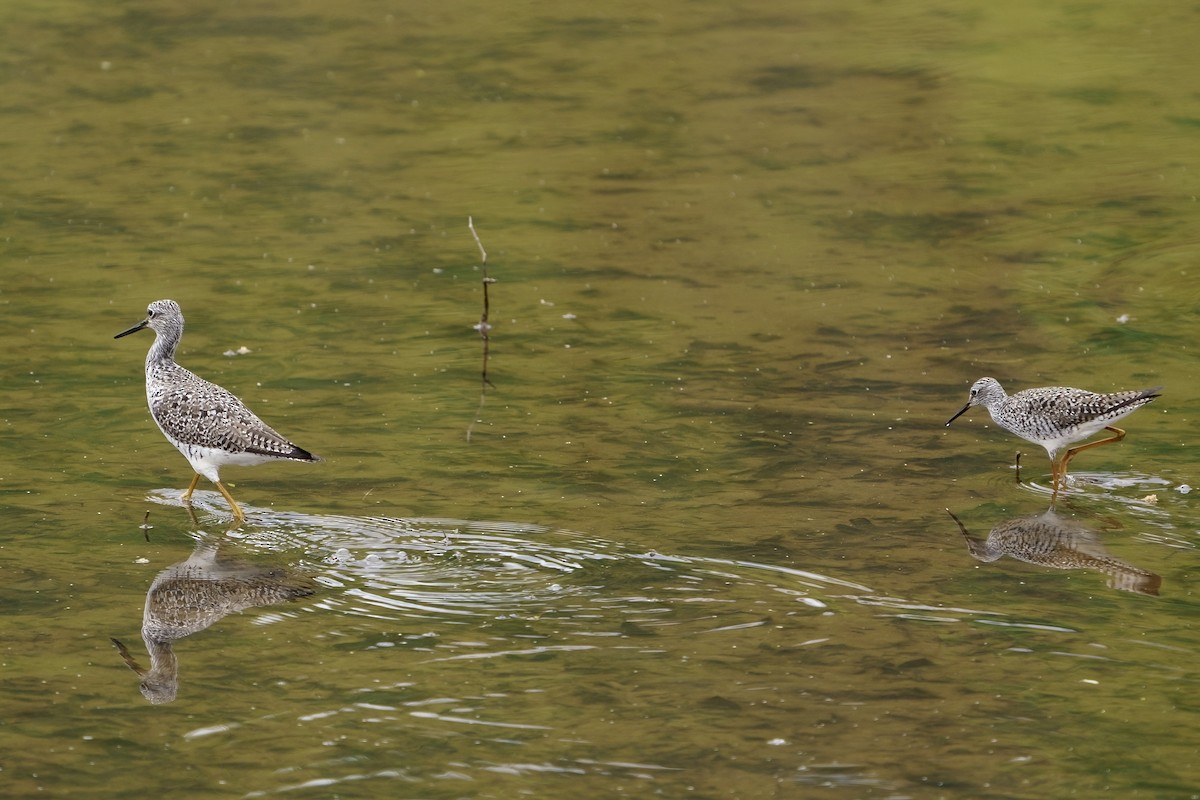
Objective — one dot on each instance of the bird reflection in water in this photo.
(188, 597)
(1049, 540)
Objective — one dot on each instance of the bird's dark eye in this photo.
(150, 313)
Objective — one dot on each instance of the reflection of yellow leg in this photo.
(238, 516)
(187, 496)
(1117, 436)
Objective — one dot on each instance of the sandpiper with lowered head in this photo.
(1056, 416)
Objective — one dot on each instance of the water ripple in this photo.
(397, 568)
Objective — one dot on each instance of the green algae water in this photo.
(748, 260)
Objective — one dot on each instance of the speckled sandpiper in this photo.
(1057, 416)
(207, 423)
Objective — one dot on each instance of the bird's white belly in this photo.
(1065, 438)
(209, 460)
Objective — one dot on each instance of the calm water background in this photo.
(749, 259)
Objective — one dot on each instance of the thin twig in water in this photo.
(484, 327)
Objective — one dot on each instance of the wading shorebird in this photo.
(1057, 416)
(207, 423)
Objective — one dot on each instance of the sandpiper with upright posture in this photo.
(1056, 416)
(207, 423)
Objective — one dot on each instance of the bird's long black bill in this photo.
(134, 329)
(128, 657)
(959, 414)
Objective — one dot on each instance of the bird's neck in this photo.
(163, 348)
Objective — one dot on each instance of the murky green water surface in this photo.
(748, 258)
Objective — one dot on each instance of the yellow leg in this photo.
(187, 496)
(238, 516)
(1117, 436)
